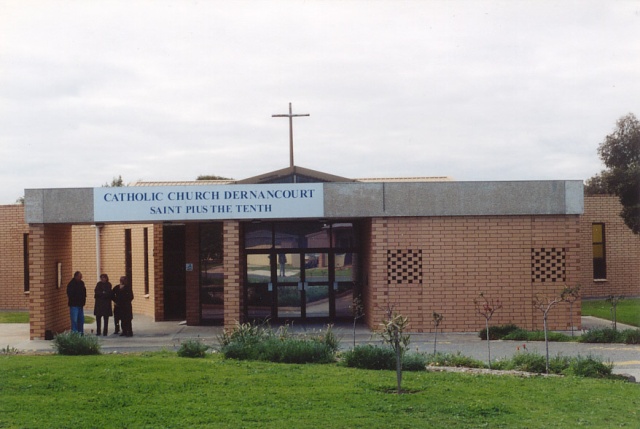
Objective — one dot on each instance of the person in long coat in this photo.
(102, 308)
(122, 295)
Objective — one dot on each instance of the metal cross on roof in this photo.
(290, 116)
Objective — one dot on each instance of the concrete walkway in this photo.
(150, 336)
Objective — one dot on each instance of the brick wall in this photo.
(233, 269)
(12, 230)
(622, 250)
(449, 261)
(49, 245)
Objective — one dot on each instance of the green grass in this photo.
(14, 317)
(23, 317)
(161, 390)
(628, 310)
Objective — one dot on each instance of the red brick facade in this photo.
(12, 231)
(451, 260)
(622, 249)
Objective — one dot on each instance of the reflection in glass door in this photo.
(316, 276)
(289, 286)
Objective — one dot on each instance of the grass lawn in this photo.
(161, 390)
(23, 317)
(14, 317)
(628, 310)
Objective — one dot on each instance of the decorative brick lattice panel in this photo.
(404, 266)
(548, 265)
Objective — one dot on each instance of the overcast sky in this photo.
(155, 91)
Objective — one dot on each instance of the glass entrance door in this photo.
(297, 271)
(289, 286)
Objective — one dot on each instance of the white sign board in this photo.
(175, 203)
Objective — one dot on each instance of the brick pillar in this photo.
(377, 293)
(233, 280)
(50, 247)
(158, 271)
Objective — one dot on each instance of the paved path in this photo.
(150, 335)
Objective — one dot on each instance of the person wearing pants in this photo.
(102, 309)
(77, 298)
(122, 295)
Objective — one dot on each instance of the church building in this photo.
(297, 245)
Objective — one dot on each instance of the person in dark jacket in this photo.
(77, 295)
(122, 295)
(102, 308)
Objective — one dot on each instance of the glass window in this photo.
(599, 252)
(344, 235)
(301, 235)
(258, 236)
(317, 301)
(258, 302)
(259, 268)
(316, 267)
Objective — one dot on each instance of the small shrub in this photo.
(604, 335)
(249, 342)
(330, 339)
(497, 332)
(589, 367)
(559, 364)
(456, 360)
(382, 358)
(529, 362)
(296, 350)
(414, 362)
(524, 335)
(245, 333)
(630, 336)
(369, 357)
(9, 351)
(193, 349)
(74, 344)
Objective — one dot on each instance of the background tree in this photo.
(620, 152)
(115, 183)
(596, 185)
(212, 177)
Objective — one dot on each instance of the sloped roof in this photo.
(295, 174)
(306, 174)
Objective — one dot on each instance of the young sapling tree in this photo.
(437, 319)
(614, 300)
(357, 311)
(544, 304)
(571, 295)
(393, 327)
(486, 307)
